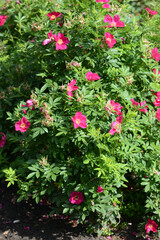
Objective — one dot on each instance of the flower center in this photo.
(113, 24)
(108, 39)
(78, 121)
(76, 198)
(22, 125)
(69, 89)
(53, 17)
(60, 41)
(150, 226)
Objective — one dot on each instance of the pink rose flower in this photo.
(71, 88)
(157, 102)
(48, 40)
(61, 41)
(115, 22)
(76, 197)
(3, 140)
(110, 39)
(79, 120)
(2, 19)
(22, 125)
(53, 15)
(99, 189)
(29, 103)
(116, 126)
(92, 76)
(151, 12)
(112, 107)
(158, 114)
(155, 54)
(102, 1)
(151, 226)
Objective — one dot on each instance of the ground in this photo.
(29, 221)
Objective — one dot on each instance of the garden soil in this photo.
(30, 221)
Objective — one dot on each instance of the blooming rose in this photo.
(99, 189)
(155, 54)
(116, 126)
(106, 6)
(115, 22)
(102, 1)
(53, 15)
(3, 140)
(61, 41)
(76, 197)
(158, 114)
(92, 76)
(22, 125)
(2, 19)
(110, 39)
(79, 120)
(151, 12)
(157, 102)
(48, 40)
(151, 226)
(71, 88)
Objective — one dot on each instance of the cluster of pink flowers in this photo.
(2, 19)
(113, 22)
(3, 140)
(106, 5)
(142, 105)
(60, 39)
(22, 125)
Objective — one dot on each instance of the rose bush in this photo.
(83, 128)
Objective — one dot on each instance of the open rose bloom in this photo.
(116, 126)
(113, 107)
(141, 106)
(3, 140)
(151, 226)
(92, 76)
(71, 88)
(22, 125)
(61, 41)
(76, 197)
(79, 120)
(151, 12)
(110, 39)
(53, 15)
(113, 22)
(2, 19)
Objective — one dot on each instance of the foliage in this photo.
(51, 158)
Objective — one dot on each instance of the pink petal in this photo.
(46, 41)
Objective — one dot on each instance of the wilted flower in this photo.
(48, 40)
(99, 189)
(3, 140)
(71, 88)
